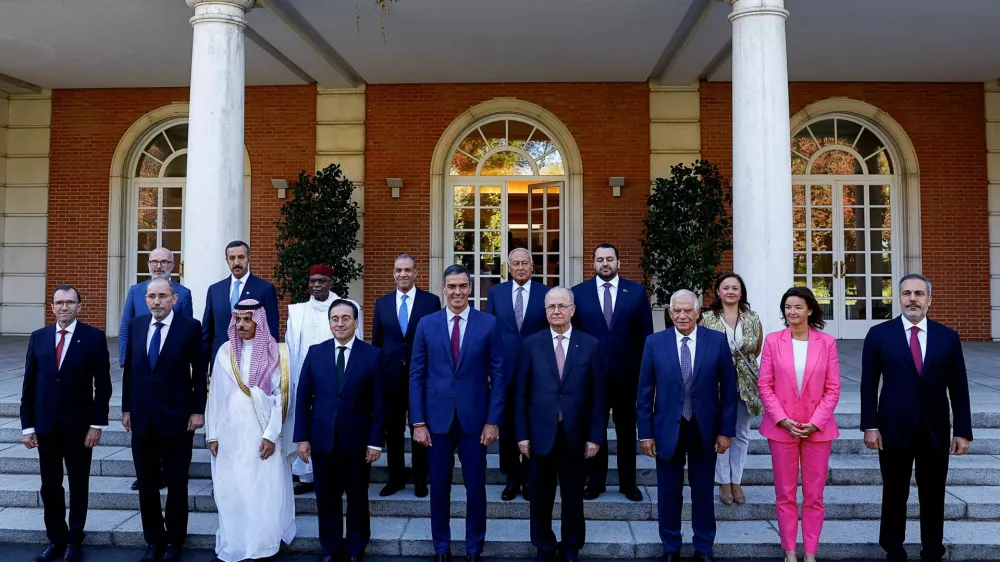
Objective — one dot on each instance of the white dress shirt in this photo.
(921, 334)
(565, 342)
(800, 351)
(411, 296)
(691, 345)
(614, 291)
(69, 338)
(243, 284)
(524, 298)
(464, 315)
(163, 331)
(347, 359)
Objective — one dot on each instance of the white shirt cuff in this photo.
(27, 431)
(101, 427)
(872, 429)
(379, 449)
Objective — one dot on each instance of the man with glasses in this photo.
(519, 305)
(161, 264)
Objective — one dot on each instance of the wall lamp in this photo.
(395, 184)
(616, 184)
(281, 185)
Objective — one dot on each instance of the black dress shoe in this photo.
(593, 492)
(354, 558)
(671, 557)
(51, 553)
(698, 557)
(446, 557)
(570, 555)
(510, 491)
(173, 554)
(420, 490)
(633, 494)
(474, 558)
(74, 553)
(135, 484)
(154, 553)
(303, 488)
(390, 489)
(526, 492)
(545, 556)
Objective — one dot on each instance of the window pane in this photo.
(854, 195)
(518, 132)
(552, 197)
(854, 240)
(854, 286)
(462, 165)
(551, 165)
(552, 220)
(878, 195)
(539, 145)
(489, 196)
(799, 194)
(489, 264)
(171, 239)
(553, 264)
(804, 144)
(881, 240)
(821, 217)
(465, 241)
(880, 164)
(158, 148)
(822, 286)
(465, 218)
(147, 167)
(474, 144)
(855, 309)
(465, 197)
(799, 282)
(466, 260)
(826, 305)
(868, 144)
(799, 240)
(799, 264)
(537, 240)
(490, 219)
(507, 164)
(881, 264)
(854, 263)
(836, 162)
(882, 309)
(854, 217)
(178, 136)
(822, 264)
(798, 165)
(147, 241)
(495, 133)
(172, 219)
(823, 131)
(177, 168)
(173, 196)
(822, 241)
(820, 195)
(141, 277)
(847, 131)
(147, 197)
(147, 219)
(882, 286)
(490, 242)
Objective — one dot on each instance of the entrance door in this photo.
(843, 249)
(491, 218)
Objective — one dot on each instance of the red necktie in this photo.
(455, 340)
(59, 348)
(915, 350)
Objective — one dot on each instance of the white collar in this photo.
(233, 278)
(693, 336)
(70, 329)
(412, 293)
(601, 282)
(515, 286)
(922, 324)
(464, 315)
(349, 345)
(567, 334)
(166, 321)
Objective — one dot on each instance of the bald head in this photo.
(161, 263)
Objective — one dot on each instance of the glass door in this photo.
(544, 228)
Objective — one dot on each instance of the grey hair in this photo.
(920, 277)
(560, 289)
(525, 250)
(405, 256)
(685, 293)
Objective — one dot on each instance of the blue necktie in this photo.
(154, 345)
(404, 315)
(688, 410)
(234, 297)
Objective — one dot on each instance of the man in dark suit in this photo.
(457, 392)
(519, 305)
(64, 408)
(616, 311)
(338, 423)
(686, 407)
(224, 295)
(164, 387)
(921, 367)
(396, 317)
(560, 421)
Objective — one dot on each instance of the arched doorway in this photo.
(846, 201)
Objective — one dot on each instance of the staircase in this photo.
(616, 527)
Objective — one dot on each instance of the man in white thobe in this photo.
(308, 325)
(247, 402)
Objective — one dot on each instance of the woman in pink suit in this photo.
(800, 385)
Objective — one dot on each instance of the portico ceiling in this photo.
(147, 43)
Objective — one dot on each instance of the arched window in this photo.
(839, 146)
(507, 147)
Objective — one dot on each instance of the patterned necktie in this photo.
(519, 308)
(234, 296)
(688, 411)
(404, 314)
(560, 355)
(456, 343)
(154, 345)
(918, 359)
(59, 348)
(341, 364)
(607, 304)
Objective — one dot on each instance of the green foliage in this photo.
(319, 224)
(686, 230)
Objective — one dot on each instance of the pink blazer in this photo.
(779, 391)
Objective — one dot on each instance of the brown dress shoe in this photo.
(726, 493)
(738, 496)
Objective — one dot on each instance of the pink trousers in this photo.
(814, 459)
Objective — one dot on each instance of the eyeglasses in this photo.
(60, 304)
(161, 263)
(560, 307)
(337, 320)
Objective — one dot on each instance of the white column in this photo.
(762, 190)
(213, 200)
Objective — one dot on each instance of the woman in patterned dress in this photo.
(730, 314)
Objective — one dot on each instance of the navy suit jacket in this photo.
(660, 400)
(135, 305)
(74, 397)
(631, 324)
(350, 417)
(909, 399)
(473, 391)
(218, 314)
(579, 395)
(160, 400)
(500, 303)
(395, 345)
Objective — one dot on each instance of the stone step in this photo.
(986, 442)
(508, 538)
(969, 470)
(842, 502)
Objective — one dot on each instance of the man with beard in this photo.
(247, 403)
(307, 326)
(616, 311)
(920, 365)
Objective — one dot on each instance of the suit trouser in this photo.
(173, 452)
(512, 464)
(441, 458)
(567, 465)
(54, 449)
(814, 459)
(729, 466)
(338, 472)
(670, 491)
(395, 434)
(932, 473)
(622, 404)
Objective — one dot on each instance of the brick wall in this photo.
(609, 122)
(945, 124)
(280, 135)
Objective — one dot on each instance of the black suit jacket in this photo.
(218, 314)
(909, 399)
(579, 395)
(161, 400)
(631, 324)
(72, 398)
(395, 345)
